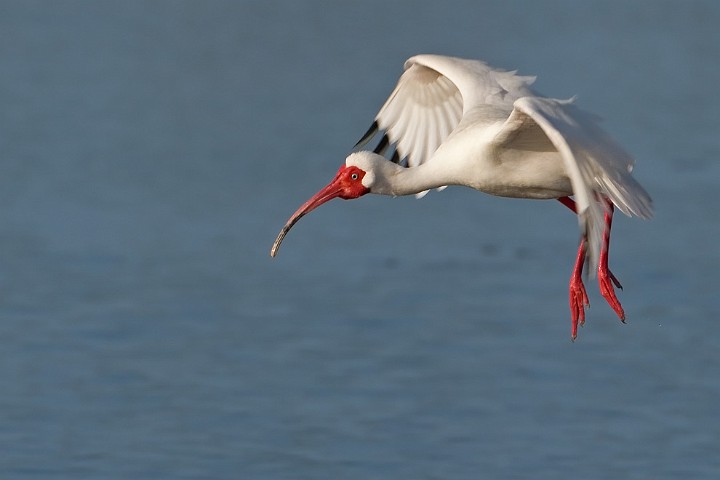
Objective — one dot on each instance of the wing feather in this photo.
(431, 96)
(594, 163)
(421, 112)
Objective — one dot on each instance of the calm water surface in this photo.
(152, 150)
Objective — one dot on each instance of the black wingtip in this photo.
(395, 157)
(368, 135)
(382, 146)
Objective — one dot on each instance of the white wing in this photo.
(593, 161)
(420, 113)
(430, 99)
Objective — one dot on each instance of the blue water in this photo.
(151, 151)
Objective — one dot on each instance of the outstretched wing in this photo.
(429, 101)
(418, 116)
(594, 163)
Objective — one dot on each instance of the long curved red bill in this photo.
(333, 190)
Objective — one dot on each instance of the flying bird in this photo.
(453, 121)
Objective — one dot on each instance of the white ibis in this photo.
(452, 121)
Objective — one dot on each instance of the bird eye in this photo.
(354, 176)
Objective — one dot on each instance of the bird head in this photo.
(349, 182)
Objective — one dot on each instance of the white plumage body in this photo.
(460, 122)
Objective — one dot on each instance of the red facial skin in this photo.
(347, 185)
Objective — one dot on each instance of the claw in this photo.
(606, 280)
(578, 296)
(614, 280)
(578, 302)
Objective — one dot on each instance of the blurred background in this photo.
(151, 151)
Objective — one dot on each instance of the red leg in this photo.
(578, 295)
(606, 279)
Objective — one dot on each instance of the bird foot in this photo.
(578, 302)
(606, 279)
